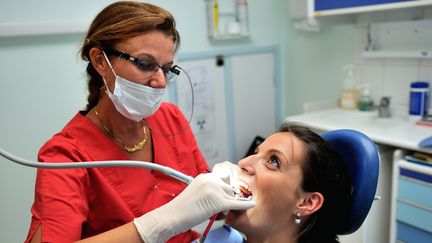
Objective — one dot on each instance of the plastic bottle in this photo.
(419, 97)
(365, 101)
(242, 15)
(349, 94)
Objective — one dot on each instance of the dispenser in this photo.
(365, 101)
(349, 95)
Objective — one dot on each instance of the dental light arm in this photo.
(111, 163)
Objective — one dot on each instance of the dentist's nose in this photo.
(158, 79)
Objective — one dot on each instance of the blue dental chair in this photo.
(361, 156)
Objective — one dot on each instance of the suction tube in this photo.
(95, 164)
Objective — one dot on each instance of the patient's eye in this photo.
(274, 161)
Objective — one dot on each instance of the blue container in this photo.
(419, 98)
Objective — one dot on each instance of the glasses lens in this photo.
(146, 66)
(170, 76)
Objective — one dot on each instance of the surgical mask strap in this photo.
(109, 63)
(112, 69)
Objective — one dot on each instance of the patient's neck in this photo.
(282, 236)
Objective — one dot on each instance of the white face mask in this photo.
(134, 101)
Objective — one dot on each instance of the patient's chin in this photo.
(235, 217)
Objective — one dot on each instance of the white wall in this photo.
(42, 81)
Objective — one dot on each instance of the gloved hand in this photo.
(227, 171)
(205, 196)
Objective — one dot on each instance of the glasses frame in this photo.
(138, 62)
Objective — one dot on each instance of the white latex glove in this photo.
(205, 196)
(227, 171)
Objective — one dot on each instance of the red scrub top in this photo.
(71, 204)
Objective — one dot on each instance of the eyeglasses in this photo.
(146, 66)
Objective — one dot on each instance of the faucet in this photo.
(384, 107)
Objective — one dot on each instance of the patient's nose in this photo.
(247, 165)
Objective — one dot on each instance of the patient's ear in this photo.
(312, 202)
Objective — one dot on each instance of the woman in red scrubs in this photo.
(129, 48)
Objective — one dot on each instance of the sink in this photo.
(367, 119)
(391, 121)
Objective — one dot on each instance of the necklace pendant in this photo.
(136, 147)
(131, 149)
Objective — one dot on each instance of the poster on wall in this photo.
(202, 101)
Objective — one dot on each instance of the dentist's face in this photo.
(274, 175)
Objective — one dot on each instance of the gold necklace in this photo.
(131, 149)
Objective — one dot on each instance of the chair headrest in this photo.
(362, 159)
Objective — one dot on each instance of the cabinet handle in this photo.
(414, 204)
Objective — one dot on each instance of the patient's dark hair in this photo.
(324, 171)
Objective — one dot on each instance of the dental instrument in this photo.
(239, 197)
(108, 163)
(119, 163)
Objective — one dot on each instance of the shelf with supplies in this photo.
(42, 28)
(305, 13)
(227, 20)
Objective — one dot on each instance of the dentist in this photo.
(129, 48)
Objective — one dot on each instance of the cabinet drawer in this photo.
(413, 215)
(409, 234)
(415, 191)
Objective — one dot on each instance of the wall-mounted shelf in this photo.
(42, 28)
(398, 54)
(404, 39)
(226, 36)
(227, 20)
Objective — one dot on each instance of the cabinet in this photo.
(412, 200)
(305, 12)
(300, 9)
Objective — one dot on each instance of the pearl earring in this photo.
(297, 218)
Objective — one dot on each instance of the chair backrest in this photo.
(362, 159)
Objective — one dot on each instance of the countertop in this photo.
(397, 131)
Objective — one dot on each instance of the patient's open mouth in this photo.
(243, 191)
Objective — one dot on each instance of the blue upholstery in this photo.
(361, 156)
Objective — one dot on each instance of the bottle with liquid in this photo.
(365, 101)
(349, 94)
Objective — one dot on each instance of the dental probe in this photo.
(108, 163)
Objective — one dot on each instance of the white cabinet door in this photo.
(253, 85)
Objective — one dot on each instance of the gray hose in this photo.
(94, 164)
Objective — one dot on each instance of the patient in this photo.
(300, 186)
